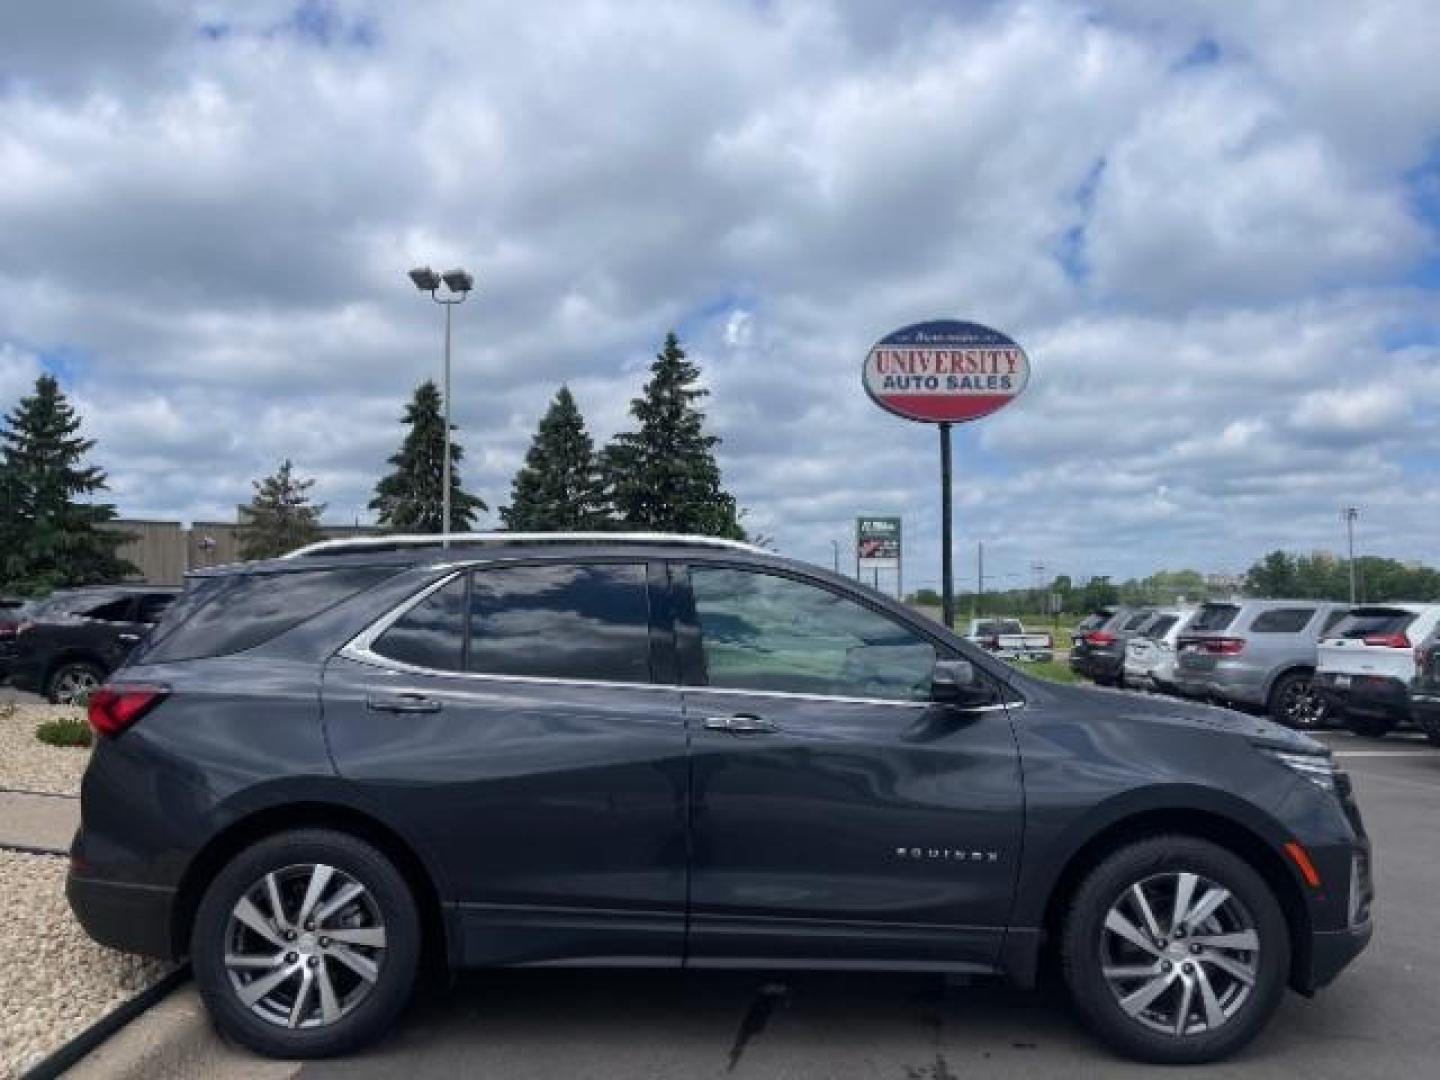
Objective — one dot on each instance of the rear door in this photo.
(522, 724)
(840, 817)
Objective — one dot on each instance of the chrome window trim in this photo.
(359, 649)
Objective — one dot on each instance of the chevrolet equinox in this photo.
(319, 772)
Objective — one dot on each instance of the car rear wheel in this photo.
(1430, 725)
(72, 683)
(306, 945)
(1371, 726)
(1295, 702)
(1175, 951)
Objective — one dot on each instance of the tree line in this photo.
(661, 476)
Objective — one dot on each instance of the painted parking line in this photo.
(1386, 753)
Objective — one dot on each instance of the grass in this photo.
(1050, 669)
(67, 731)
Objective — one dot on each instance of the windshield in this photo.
(1363, 622)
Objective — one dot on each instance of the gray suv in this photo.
(1259, 653)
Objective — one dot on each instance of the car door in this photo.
(840, 817)
(110, 630)
(516, 723)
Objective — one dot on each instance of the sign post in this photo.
(945, 372)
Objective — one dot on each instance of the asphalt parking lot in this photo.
(1377, 1020)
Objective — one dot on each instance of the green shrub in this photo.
(67, 731)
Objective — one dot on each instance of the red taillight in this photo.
(1397, 640)
(112, 709)
(1223, 646)
(1099, 637)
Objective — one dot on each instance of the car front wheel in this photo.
(1175, 951)
(306, 945)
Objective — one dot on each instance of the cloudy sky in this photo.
(1213, 226)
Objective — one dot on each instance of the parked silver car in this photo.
(1260, 653)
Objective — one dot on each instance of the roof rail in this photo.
(358, 544)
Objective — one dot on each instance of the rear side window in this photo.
(1160, 627)
(153, 606)
(1213, 618)
(1136, 621)
(219, 616)
(110, 611)
(1363, 622)
(1332, 620)
(432, 633)
(580, 621)
(1282, 621)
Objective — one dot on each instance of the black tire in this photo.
(374, 1012)
(1370, 725)
(73, 681)
(1296, 703)
(1083, 941)
(1429, 723)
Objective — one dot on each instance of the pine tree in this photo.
(280, 517)
(559, 487)
(664, 476)
(408, 500)
(49, 540)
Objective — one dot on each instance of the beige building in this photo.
(165, 550)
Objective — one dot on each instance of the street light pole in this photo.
(459, 282)
(1350, 513)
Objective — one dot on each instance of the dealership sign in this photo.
(945, 372)
(877, 543)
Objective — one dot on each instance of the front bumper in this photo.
(125, 916)
(1331, 951)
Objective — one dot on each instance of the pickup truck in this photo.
(1009, 640)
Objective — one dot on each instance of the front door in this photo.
(517, 725)
(839, 816)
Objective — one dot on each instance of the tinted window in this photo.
(1362, 622)
(218, 616)
(152, 606)
(109, 611)
(1332, 620)
(765, 632)
(561, 621)
(1212, 618)
(1161, 626)
(1094, 621)
(1282, 621)
(432, 633)
(1137, 621)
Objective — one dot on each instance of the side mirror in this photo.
(956, 682)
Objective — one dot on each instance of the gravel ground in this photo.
(54, 981)
(28, 764)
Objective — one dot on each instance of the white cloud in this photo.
(207, 214)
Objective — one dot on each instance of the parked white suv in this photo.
(1150, 654)
(1366, 663)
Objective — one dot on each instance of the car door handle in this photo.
(402, 703)
(742, 724)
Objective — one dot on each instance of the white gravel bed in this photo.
(54, 981)
(30, 765)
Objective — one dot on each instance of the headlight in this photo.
(1316, 768)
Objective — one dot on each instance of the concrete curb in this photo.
(31, 849)
(176, 1041)
(96, 1034)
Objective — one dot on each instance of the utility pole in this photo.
(979, 581)
(1349, 514)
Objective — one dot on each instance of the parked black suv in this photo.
(674, 752)
(65, 645)
(1097, 649)
(1425, 687)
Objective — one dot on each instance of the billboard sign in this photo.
(877, 543)
(945, 371)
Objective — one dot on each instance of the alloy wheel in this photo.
(1180, 953)
(75, 685)
(1301, 704)
(304, 946)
